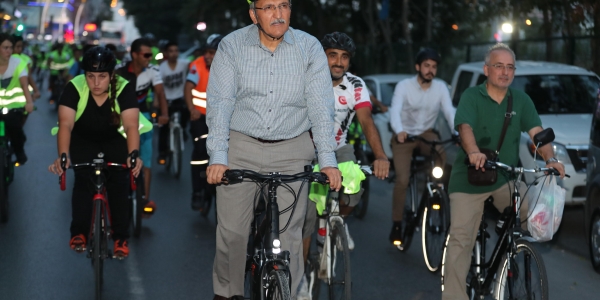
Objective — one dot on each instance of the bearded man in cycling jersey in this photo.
(479, 120)
(268, 86)
(351, 98)
(416, 103)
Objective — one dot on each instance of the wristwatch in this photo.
(551, 160)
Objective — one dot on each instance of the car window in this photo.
(481, 79)
(372, 87)
(387, 92)
(464, 79)
(560, 94)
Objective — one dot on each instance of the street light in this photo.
(528, 22)
(201, 26)
(507, 28)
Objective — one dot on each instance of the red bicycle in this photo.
(100, 231)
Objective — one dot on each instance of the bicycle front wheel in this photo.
(176, 154)
(523, 275)
(340, 283)
(279, 286)
(3, 189)
(435, 224)
(137, 207)
(97, 260)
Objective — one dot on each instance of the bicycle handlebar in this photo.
(234, 176)
(63, 163)
(490, 164)
(412, 138)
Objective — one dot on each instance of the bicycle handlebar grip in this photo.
(62, 179)
(319, 178)
(233, 176)
(132, 182)
(63, 161)
(133, 156)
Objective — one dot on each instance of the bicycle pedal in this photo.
(119, 257)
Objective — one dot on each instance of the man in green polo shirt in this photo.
(479, 120)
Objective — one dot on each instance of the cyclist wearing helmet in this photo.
(145, 77)
(415, 106)
(195, 97)
(269, 84)
(351, 98)
(86, 130)
(19, 46)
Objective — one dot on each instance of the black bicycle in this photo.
(267, 266)
(7, 165)
(137, 198)
(515, 269)
(433, 210)
(100, 231)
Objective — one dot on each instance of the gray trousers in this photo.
(235, 211)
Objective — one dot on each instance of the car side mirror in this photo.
(544, 137)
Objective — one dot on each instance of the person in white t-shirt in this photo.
(351, 99)
(416, 103)
(173, 72)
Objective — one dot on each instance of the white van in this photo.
(564, 97)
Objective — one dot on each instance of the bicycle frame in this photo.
(329, 217)
(175, 123)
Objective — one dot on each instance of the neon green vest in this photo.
(60, 61)
(84, 93)
(352, 176)
(12, 95)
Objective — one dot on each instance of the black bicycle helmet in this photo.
(213, 41)
(426, 54)
(338, 40)
(98, 59)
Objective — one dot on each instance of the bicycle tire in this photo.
(520, 270)
(137, 208)
(409, 216)
(3, 188)
(312, 275)
(340, 283)
(176, 154)
(97, 260)
(360, 210)
(594, 241)
(434, 229)
(279, 286)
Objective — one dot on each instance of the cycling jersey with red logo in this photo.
(149, 77)
(350, 95)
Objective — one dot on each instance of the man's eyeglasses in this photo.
(501, 67)
(272, 8)
(147, 55)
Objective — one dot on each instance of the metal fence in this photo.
(379, 59)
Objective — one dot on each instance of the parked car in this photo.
(592, 203)
(564, 97)
(382, 87)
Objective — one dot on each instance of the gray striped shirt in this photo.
(270, 95)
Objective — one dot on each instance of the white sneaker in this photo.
(350, 240)
(303, 293)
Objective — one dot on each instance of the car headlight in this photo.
(437, 172)
(560, 152)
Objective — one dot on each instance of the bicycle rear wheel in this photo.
(176, 153)
(527, 273)
(3, 188)
(312, 275)
(435, 225)
(97, 259)
(279, 286)
(360, 210)
(340, 283)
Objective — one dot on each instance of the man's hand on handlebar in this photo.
(558, 167)
(214, 173)
(401, 137)
(56, 167)
(335, 177)
(381, 168)
(477, 159)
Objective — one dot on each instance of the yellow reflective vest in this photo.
(84, 93)
(12, 96)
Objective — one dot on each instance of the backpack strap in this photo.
(507, 117)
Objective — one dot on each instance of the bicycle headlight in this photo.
(4, 110)
(437, 172)
(276, 243)
(276, 250)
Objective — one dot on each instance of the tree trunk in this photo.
(429, 20)
(548, 33)
(406, 33)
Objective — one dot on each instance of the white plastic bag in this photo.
(546, 203)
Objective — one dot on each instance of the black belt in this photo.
(268, 141)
